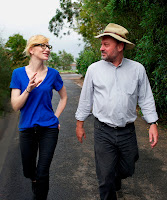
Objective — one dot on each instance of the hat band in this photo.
(115, 34)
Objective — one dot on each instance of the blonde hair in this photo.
(36, 39)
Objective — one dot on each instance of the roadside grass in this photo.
(68, 71)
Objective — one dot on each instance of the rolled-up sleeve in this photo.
(146, 99)
(86, 98)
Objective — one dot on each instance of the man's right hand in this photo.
(80, 132)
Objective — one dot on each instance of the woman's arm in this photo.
(18, 100)
(62, 102)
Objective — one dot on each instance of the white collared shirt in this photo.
(112, 93)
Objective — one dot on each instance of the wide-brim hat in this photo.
(119, 33)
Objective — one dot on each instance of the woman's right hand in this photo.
(17, 99)
(32, 84)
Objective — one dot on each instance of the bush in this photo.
(152, 53)
(86, 58)
(5, 77)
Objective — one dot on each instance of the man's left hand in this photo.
(153, 135)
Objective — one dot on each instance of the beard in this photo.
(108, 58)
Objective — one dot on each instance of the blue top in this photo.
(37, 111)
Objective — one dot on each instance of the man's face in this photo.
(109, 49)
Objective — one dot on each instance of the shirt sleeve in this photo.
(146, 99)
(15, 83)
(86, 98)
(58, 83)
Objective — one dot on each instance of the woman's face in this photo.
(41, 51)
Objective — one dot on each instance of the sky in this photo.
(32, 17)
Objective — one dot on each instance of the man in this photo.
(112, 88)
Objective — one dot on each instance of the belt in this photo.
(116, 127)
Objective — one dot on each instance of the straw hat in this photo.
(119, 33)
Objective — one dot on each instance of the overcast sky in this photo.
(32, 17)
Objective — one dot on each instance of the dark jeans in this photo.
(41, 140)
(116, 152)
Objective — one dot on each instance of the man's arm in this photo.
(84, 106)
(153, 135)
(147, 104)
(80, 132)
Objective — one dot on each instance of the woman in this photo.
(31, 93)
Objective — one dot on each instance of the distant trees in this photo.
(15, 47)
(54, 61)
(61, 60)
(86, 58)
(146, 21)
(12, 57)
(65, 59)
(5, 76)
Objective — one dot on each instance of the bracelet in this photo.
(27, 90)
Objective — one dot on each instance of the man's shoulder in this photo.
(97, 64)
(133, 63)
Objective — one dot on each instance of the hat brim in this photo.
(129, 45)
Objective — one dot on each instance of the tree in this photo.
(144, 19)
(65, 59)
(5, 77)
(152, 52)
(68, 12)
(54, 61)
(86, 58)
(16, 45)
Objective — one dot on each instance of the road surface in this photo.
(72, 172)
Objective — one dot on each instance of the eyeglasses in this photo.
(43, 46)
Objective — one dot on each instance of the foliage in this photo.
(5, 76)
(65, 60)
(146, 20)
(54, 61)
(16, 45)
(62, 59)
(68, 11)
(86, 58)
(152, 52)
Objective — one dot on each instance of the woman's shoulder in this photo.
(19, 69)
(53, 70)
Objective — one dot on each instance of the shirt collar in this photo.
(110, 63)
(121, 62)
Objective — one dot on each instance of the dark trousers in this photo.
(116, 152)
(41, 140)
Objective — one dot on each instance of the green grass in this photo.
(68, 71)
